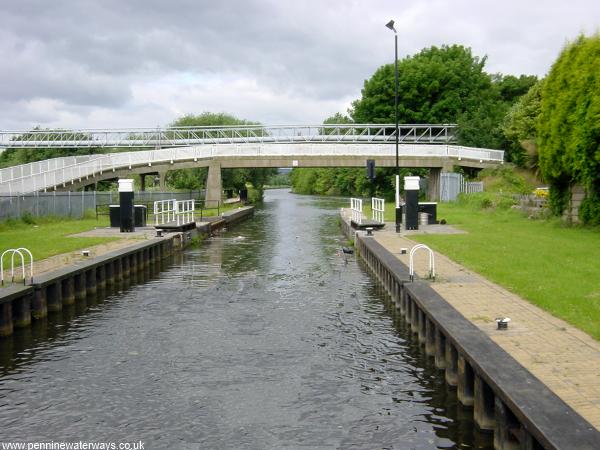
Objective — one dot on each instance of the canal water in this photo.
(264, 337)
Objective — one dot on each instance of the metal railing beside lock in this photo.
(184, 211)
(13, 252)
(378, 209)
(356, 206)
(411, 263)
(164, 211)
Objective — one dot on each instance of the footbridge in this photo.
(156, 151)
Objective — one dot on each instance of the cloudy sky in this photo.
(130, 63)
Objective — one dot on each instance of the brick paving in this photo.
(564, 358)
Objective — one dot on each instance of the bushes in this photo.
(502, 186)
(487, 200)
(569, 125)
(589, 210)
(504, 179)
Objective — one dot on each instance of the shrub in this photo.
(487, 200)
(568, 128)
(28, 218)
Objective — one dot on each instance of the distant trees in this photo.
(520, 129)
(445, 84)
(568, 128)
(16, 156)
(232, 178)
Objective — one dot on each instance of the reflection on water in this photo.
(264, 337)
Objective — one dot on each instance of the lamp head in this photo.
(390, 25)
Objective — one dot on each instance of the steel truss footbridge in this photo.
(156, 150)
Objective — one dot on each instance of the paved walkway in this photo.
(565, 359)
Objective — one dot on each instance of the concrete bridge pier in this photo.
(434, 181)
(214, 184)
(162, 181)
(433, 184)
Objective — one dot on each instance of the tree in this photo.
(511, 88)
(445, 84)
(568, 128)
(519, 129)
(232, 178)
(434, 86)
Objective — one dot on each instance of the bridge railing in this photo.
(50, 176)
(37, 167)
(186, 136)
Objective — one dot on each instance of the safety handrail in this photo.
(184, 211)
(164, 209)
(12, 264)
(57, 176)
(356, 206)
(411, 267)
(377, 209)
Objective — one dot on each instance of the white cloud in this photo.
(146, 62)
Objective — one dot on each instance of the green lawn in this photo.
(49, 236)
(545, 262)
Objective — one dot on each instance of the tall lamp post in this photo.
(390, 25)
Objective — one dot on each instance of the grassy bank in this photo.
(47, 236)
(551, 265)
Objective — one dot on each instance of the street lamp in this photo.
(390, 25)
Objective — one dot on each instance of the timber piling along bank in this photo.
(507, 400)
(21, 305)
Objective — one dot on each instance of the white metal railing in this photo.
(174, 211)
(185, 136)
(471, 187)
(411, 266)
(356, 206)
(13, 252)
(184, 211)
(378, 209)
(164, 211)
(49, 176)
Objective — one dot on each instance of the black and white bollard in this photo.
(411, 195)
(126, 205)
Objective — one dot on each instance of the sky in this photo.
(144, 63)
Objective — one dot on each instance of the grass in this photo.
(48, 236)
(553, 266)
(210, 212)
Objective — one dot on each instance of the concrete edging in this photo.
(20, 305)
(507, 399)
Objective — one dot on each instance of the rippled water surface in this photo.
(263, 337)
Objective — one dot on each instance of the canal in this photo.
(266, 336)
